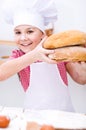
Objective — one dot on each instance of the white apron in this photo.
(47, 90)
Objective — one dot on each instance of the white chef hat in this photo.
(38, 13)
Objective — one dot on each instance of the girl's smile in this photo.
(26, 44)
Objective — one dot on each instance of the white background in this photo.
(71, 15)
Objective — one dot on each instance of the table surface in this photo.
(59, 119)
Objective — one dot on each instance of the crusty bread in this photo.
(74, 53)
(68, 45)
(66, 38)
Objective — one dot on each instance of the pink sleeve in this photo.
(13, 56)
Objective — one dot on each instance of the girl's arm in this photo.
(13, 66)
(77, 71)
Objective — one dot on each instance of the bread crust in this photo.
(69, 54)
(66, 38)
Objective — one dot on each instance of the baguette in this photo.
(66, 38)
(69, 54)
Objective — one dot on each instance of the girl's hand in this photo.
(41, 53)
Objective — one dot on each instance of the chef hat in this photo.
(37, 13)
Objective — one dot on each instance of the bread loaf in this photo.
(68, 45)
(66, 38)
(69, 54)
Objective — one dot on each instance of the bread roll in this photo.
(66, 38)
(75, 53)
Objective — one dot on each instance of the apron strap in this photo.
(63, 72)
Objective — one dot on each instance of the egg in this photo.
(4, 121)
(47, 127)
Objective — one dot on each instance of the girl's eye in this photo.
(30, 31)
(18, 32)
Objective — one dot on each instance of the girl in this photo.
(44, 80)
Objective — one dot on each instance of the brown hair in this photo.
(49, 31)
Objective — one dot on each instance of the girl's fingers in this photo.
(48, 51)
(48, 60)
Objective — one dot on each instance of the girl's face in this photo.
(27, 37)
